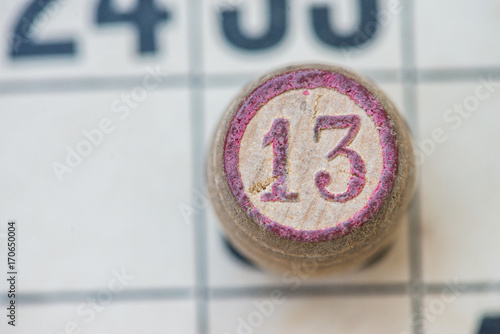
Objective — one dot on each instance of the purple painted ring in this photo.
(310, 79)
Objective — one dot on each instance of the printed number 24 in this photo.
(145, 17)
(278, 136)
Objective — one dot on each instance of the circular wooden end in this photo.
(311, 162)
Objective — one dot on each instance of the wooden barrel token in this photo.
(311, 166)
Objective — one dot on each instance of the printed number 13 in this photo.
(278, 136)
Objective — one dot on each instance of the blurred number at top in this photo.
(106, 37)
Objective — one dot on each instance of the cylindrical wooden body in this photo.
(311, 166)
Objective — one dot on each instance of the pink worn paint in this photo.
(306, 92)
(310, 79)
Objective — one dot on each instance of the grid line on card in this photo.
(125, 295)
(458, 74)
(196, 99)
(175, 81)
(409, 86)
(477, 287)
(220, 293)
(88, 84)
(311, 290)
(199, 219)
(166, 80)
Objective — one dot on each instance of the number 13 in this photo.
(278, 136)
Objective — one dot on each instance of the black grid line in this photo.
(172, 81)
(179, 81)
(416, 286)
(463, 288)
(409, 90)
(311, 291)
(125, 295)
(197, 145)
(457, 74)
(199, 226)
(221, 293)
